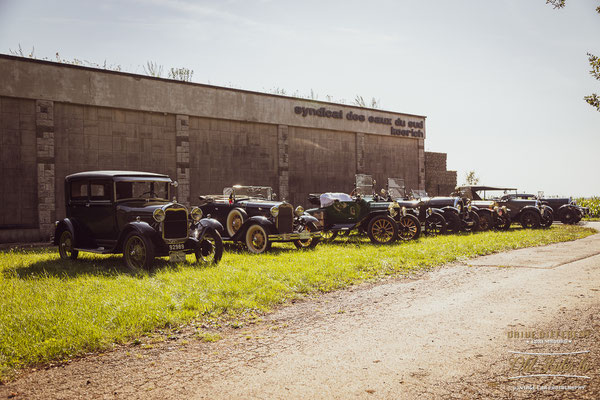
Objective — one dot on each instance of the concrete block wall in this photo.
(438, 180)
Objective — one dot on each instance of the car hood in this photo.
(143, 208)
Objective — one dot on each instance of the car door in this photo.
(101, 217)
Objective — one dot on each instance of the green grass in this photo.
(53, 310)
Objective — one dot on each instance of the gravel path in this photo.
(442, 334)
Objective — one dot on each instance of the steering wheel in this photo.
(150, 192)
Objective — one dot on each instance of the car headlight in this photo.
(299, 211)
(459, 207)
(159, 215)
(469, 208)
(393, 209)
(429, 212)
(504, 209)
(403, 211)
(196, 214)
(275, 211)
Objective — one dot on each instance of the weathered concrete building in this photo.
(57, 119)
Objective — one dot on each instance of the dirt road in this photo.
(443, 334)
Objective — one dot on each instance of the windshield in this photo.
(495, 194)
(255, 192)
(364, 184)
(143, 190)
(396, 188)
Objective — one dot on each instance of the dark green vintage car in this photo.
(381, 220)
(130, 212)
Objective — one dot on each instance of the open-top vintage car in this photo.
(432, 219)
(529, 212)
(252, 216)
(130, 212)
(365, 212)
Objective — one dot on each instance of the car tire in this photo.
(138, 252)
(435, 224)
(502, 223)
(307, 243)
(473, 216)
(547, 221)
(530, 220)
(235, 220)
(257, 239)
(568, 217)
(485, 222)
(66, 245)
(409, 227)
(453, 222)
(382, 230)
(210, 249)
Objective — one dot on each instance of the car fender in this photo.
(142, 228)
(450, 209)
(308, 219)
(532, 208)
(204, 226)
(254, 220)
(481, 211)
(61, 226)
(566, 207)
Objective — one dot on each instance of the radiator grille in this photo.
(285, 219)
(175, 225)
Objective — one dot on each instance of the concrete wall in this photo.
(58, 119)
(440, 181)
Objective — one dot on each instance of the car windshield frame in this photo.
(152, 181)
(249, 192)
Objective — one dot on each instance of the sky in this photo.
(501, 82)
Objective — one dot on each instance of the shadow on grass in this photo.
(89, 265)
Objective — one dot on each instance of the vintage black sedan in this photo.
(252, 216)
(130, 212)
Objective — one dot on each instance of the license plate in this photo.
(305, 235)
(177, 256)
(176, 247)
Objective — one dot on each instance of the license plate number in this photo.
(177, 256)
(176, 247)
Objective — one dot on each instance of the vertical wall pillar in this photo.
(421, 147)
(44, 124)
(360, 153)
(183, 159)
(283, 165)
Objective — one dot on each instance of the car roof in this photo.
(476, 188)
(114, 174)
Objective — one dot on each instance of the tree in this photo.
(181, 74)
(593, 99)
(471, 178)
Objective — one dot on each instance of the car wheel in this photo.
(328, 236)
(409, 227)
(138, 252)
(471, 223)
(548, 219)
(453, 221)
(568, 217)
(257, 240)
(485, 222)
(435, 224)
(66, 248)
(307, 243)
(530, 219)
(210, 248)
(382, 230)
(235, 220)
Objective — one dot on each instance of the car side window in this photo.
(79, 190)
(100, 190)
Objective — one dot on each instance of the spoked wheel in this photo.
(235, 220)
(210, 248)
(453, 221)
(382, 230)
(435, 224)
(307, 243)
(257, 240)
(409, 227)
(529, 220)
(502, 223)
(138, 252)
(547, 219)
(568, 217)
(66, 248)
(485, 222)
(328, 236)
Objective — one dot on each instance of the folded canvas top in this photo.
(327, 199)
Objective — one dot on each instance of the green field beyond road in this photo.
(53, 309)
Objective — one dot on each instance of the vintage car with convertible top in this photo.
(130, 212)
(252, 216)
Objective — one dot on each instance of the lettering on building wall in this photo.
(404, 128)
